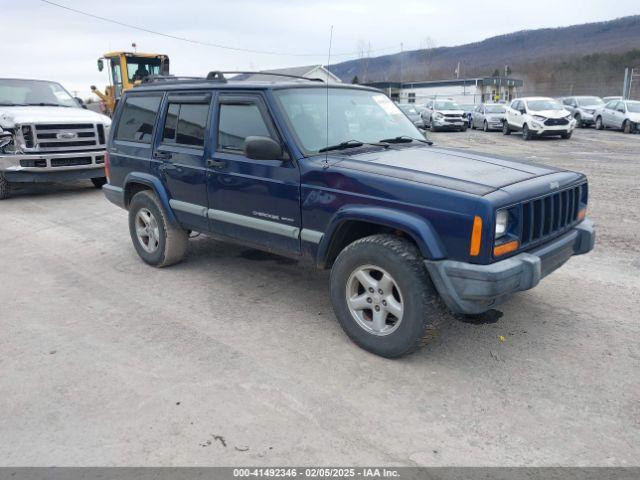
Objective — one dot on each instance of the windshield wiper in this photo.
(46, 104)
(350, 144)
(405, 139)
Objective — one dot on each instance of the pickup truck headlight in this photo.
(502, 221)
(6, 138)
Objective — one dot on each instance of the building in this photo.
(461, 90)
(309, 71)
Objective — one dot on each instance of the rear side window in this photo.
(237, 122)
(186, 124)
(137, 118)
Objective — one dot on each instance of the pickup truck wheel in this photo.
(5, 187)
(383, 296)
(505, 129)
(99, 182)
(599, 124)
(157, 241)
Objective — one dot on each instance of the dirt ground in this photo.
(234, 357)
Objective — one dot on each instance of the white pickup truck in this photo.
(46, 136)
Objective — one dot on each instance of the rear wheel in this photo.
(158, 242)
(99, 182)
(599, 124)
(383, 296)
(505, 129)
(626, 126)
(5, 187)
(526, 133)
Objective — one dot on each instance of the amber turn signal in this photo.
(505, 248)
(582, 213)
(476, 237)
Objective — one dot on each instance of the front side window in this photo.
(34, 92)
(237, 122)
(611, 105)
(362, 115)
(590, 101)
(495, 109)
(186, 124)
(138, 118)
(633, 107)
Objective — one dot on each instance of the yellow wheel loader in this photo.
(127, 70)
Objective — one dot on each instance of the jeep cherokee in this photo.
(340, 176)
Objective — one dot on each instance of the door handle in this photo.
(162, 155)
(216, 163)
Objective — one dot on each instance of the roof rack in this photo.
(166, 78)
(219, 75)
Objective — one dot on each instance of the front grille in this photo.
(552, 122)
(452, 115)
(552, 214)
(67, 137)
(70, 162)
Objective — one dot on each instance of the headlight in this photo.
(6, 138)
(502, 220)
(589, 111)
(438, 115)
(540, 118)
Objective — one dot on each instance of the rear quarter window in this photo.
(138, 118)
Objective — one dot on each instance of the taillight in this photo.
(106, 165)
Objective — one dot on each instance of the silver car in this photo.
(488, 116)
(410, 110)
(583, 109)
(621, 115)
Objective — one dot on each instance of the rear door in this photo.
(180, 150)
(608, 117)
(254, 201)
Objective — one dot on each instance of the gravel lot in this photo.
(234, 357)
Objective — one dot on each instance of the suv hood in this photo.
(551, 113)
(452, 169)
(450, 112)
(12, 116)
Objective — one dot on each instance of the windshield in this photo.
(587, 101)
(360, 115)
(446, 105)
(495, 109)
(408, 109)
(539, 105)
(34, 92)
(633, 107)
(139, 68)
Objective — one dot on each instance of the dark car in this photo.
(410, 231)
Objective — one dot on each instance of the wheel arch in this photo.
(353, 223)
(138, 181)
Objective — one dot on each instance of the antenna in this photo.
(326, 157)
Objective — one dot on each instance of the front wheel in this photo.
(432, 127)
(383, 296)
(526, 133)
(579, 123)
(158, 242)
(626, 126)
(5, 187)
(599, 124)
(463, 128)
(485, 126)
(566, 135)
(505, 129)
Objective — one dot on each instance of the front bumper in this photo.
(468, 288)
(450, 123)
(543, 130)
(53, 167)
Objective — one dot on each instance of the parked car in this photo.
(538, 117)
(488, 116)
(583, 109)
(620, 114)
(409, 109)
(406, 228)
(468, 112)
(46, 135)
(443, 114)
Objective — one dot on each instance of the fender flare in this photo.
(154, 184)
(418, 228)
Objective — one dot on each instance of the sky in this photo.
(40, 40)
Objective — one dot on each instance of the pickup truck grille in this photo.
(549, 215)
(67, 137)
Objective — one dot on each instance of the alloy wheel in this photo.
(147, 230)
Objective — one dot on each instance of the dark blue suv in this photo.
(340, 176)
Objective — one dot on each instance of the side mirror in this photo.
(100, 64)
(80, 102)
(262, 148)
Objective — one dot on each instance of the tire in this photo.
(599, 124)
(505, 128)
(464, 128)
(5, 187)
(485, 126)
(579, 123)
(421, 309)
(566, 135)
(170, 242)
(432, 127)
(99, 181)
(526, 133)
(626, 126)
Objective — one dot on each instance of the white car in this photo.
(443, 114)
(46, 135)
(619, 114)
(538, 117)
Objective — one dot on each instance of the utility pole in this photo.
(401, 62)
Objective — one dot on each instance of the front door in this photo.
(254, 201)
(180, 151)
